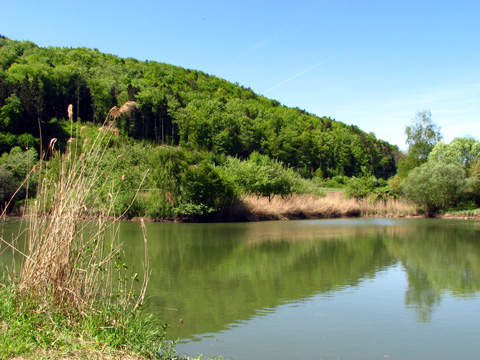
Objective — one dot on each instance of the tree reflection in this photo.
(439, 256)
(421, 295)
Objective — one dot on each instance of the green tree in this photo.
(462, 151)
(472, 186)
(7, 185)
(435, 186)
(261, 175)
(14, 168)
(11, 115)
(205, 190)
(422, 136)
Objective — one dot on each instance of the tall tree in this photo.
(422, 136)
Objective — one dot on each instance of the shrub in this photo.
(360, 187)
(205, 189)
(261, 175)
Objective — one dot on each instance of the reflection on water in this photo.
(362, 288)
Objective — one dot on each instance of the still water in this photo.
(324, 289)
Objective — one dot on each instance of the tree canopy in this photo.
(176, 106)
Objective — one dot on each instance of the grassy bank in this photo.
(32, 329)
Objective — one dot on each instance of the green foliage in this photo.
(395, 186)
(11, 114)
(176, 107)
(205, 189)
(422, 135)
(435, 186)
(24, 141)
(336, 182)
(7, 185)
(472, 183)
(462, 151)
(261, 175)
(188, 183)
(361, 187)
(14, 168)
(313, 186)
(26, 330)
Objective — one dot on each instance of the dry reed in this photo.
(312, 207)
(127, 109)
(387, 208)
(68, 262)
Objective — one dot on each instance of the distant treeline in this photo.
(176, 106)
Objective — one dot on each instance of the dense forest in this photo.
(176, 106)
(198, 142)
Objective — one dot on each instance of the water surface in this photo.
(325, 289)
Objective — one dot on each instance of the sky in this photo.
(373, 64)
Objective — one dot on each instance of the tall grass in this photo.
(333, 205)
(388, 208)
(69, 263)
(73, 275)
(297, 207)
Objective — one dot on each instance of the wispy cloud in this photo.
(299, 74)
(254, 48)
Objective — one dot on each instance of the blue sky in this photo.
(369, 63)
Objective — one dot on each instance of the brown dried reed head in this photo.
(70, 112)
(127, 109)
(113, 113)
(51, 146)
(169, 197)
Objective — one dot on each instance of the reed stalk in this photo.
(73, 254)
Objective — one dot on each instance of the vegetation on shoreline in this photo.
(73, 295)
(209, 143)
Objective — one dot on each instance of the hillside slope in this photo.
(177, 106)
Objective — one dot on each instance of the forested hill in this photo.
(176, 106)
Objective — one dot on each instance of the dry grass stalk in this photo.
(299, 207)
(169, 197)
(68, 262)
(70, 112)
(389, 208)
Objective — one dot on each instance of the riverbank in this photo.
(252, 208)
(300, 207)
(333, 205)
